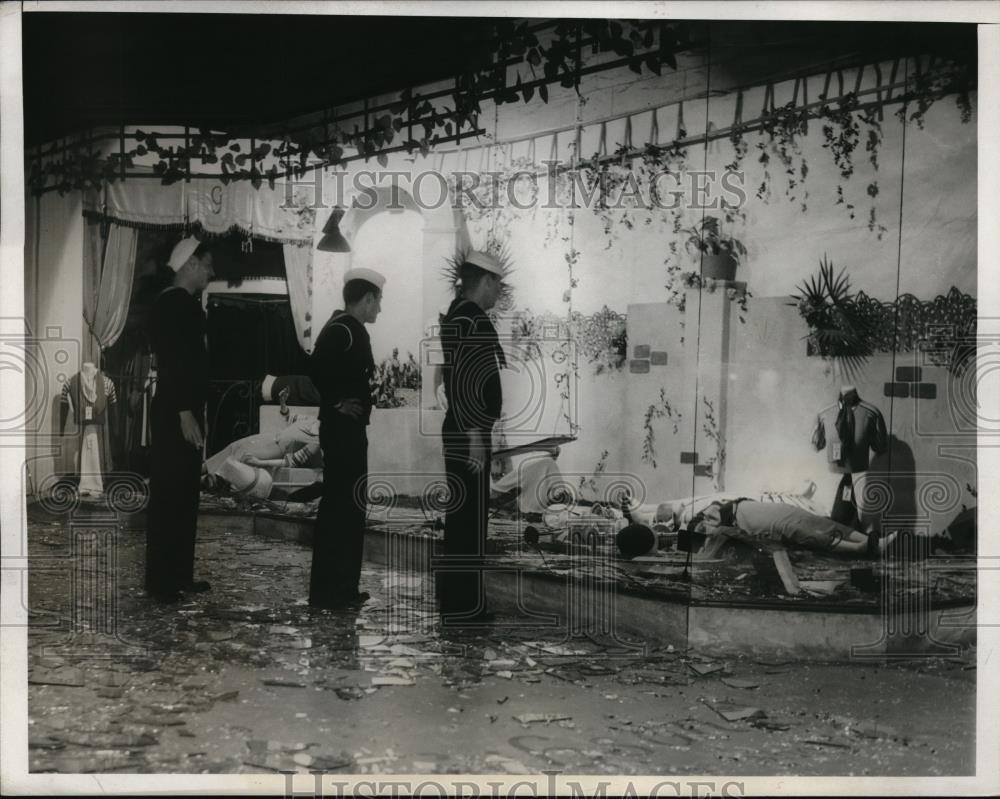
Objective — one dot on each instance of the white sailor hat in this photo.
(484, 261)
(182, 251)
(368, 275)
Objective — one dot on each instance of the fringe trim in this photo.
(98, 216)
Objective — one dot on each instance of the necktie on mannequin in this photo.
(845, 422)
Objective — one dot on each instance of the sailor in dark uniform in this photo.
(473, 359)
(341, 366)
(177, 335)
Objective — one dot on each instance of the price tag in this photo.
(88, 413)
(847, 493)
(835, 451)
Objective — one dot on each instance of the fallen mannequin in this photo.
(533, 485)
(248, 465)
(774, 527)
(771, 523)
(290, 389)
(679, 512)
(662, 518)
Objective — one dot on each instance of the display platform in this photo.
(727, 605)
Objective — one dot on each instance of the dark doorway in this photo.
(249, 336)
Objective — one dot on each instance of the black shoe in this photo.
(197, 587)
(165, 597)
(358, 599)
(342, 603)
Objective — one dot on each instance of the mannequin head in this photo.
(848, 394)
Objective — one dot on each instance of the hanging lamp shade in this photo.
(333, 240)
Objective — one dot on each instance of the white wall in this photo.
(777, 392)
(386, 243)
(404, 450)
(785, 244)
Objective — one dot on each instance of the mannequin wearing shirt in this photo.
(849, 430)
(90, 397)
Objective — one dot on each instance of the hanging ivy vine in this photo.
(415, 122)
(661, 409)
(779, 136)
(589, 481)
(844, 125)
(714, 466)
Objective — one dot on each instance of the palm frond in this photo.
(452, 268)
(499, 250)
(836, 286)
(851, 366)
(811, 292)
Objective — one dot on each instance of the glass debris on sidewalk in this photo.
(247, 678)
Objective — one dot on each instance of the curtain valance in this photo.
(205, 205)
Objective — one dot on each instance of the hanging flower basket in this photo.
(717, 254)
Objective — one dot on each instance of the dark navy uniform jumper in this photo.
(342, 367)
(473, 358)
(177, 335)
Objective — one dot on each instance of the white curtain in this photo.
(93, 246)
(277, 214)
(298, 275)
(106, 314)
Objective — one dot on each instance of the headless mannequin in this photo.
(849, 431)
(91, 481)
(90, 396)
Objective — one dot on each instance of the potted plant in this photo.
(838, 324)
(719, 254)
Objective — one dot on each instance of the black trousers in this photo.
(459, 574)
(172, 515)
(338, 541)
(844, 509)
